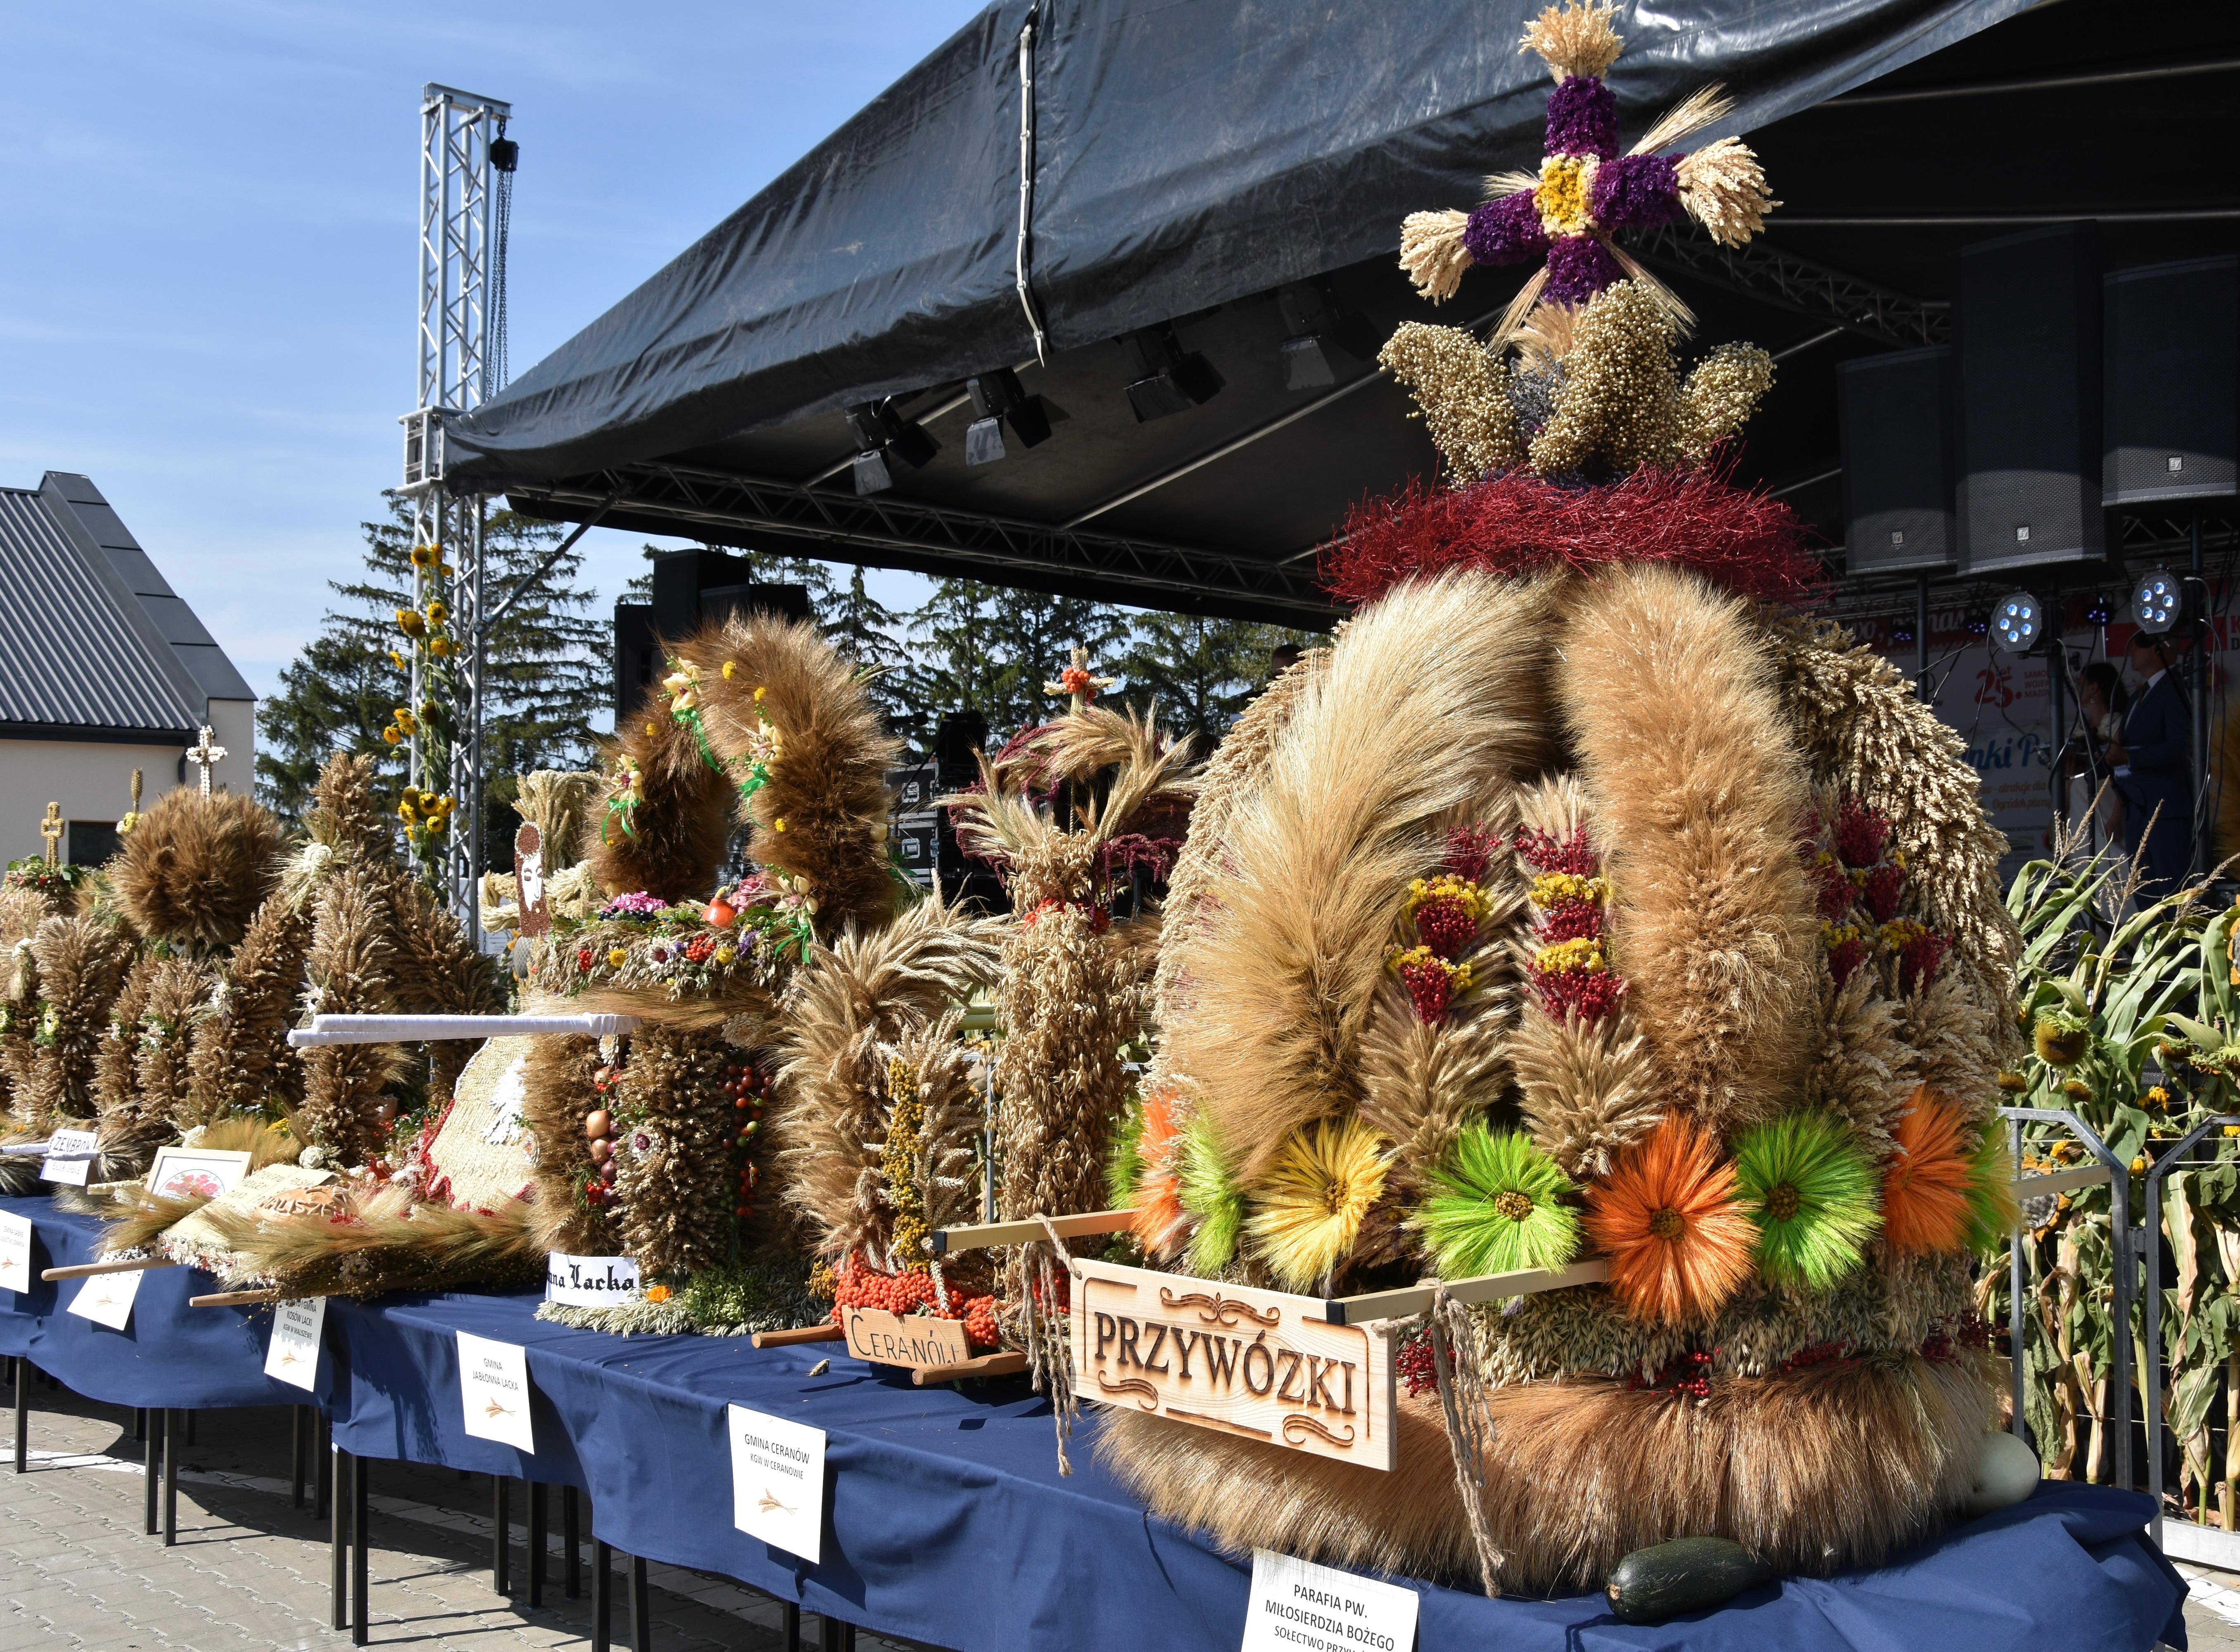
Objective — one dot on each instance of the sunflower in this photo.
(1678, 1244)
(1812, 1195)
(1325, 1178)
(1208, 1192)
(1993, 1213)
(1925, 1188)
(1498, 1212)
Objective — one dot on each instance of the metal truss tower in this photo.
(460, 322)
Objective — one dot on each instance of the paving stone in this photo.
(78, 1574)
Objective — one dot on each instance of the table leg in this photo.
(502, 1533)
(23, 1418)
(191, 1427)
(571, 1537)
(335, 1471)
(358, 1522)
(151, 1454)
(139, 1422)
(170, 1477)
(323, 1494)
(536, 1493)
(603, 1593)
(296, 1455)
(641, 1606)
(792, 1626)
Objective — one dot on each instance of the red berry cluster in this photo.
(748, 1087)
(1690, 1374)
(699, 948)
(1470, 850)
(1413, 1360)
(1819, 1354)
(1574, 854)
(1950, 1340)
(1446, 925)
(913, 1292)
(1431, 989)
(583, 959)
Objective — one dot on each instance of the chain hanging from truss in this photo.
(460, 330)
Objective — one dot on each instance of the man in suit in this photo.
(2152, 761)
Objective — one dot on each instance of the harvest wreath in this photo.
(1652, 961)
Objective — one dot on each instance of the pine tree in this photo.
(548, 664)
(1037, 634)
(955, 662)
(1200, 672)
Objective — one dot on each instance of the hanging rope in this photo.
(1462, 1396)
(1049, 1352)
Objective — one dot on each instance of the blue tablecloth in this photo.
(169, 1354)
(950, 1523)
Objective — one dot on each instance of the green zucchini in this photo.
(1687, 1575)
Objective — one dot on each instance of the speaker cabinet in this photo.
(2173, 373)
(1895, 415)
(2029, 401)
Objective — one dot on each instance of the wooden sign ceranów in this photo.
(919, 1340)
(1254, 1363)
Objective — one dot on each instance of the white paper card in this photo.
(777, 1482)
(69, 1156)
(15, 1253)
(1300, 1607)
(292, 1356)
(589, 1281)
(106, 1299)
(494, 1388)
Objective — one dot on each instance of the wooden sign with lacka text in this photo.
(1253, 1362)
(918, 1340)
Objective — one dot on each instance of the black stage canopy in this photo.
(1194, 161)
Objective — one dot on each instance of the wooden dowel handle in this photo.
(998, 1364)
(87, 1269)
(236, 1298)
(800, 1334)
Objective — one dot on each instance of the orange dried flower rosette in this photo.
(1666, 1217)
(1926, 1187)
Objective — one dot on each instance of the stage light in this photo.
(505, 154)
(1161, 377)
(1902, 634)
(999, 399)
(879, 431)
(1314, 319)
(2101, 612)
(2018, 622)
(1977, 622)
(2158, 601)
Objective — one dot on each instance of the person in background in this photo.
(2152, 761)
(1285, 656)
(2101, 701)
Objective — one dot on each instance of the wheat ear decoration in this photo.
(1574, 40)
(1723, 186)
(1432, 253)
(1690, 115)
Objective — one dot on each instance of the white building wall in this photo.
(93, 780)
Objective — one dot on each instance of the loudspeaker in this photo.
(2028, 393)
(2173, 382)
(689, 587)
(636, 656)
(1896, 412)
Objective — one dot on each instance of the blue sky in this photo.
(206, 300)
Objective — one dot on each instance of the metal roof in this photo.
(94, 645)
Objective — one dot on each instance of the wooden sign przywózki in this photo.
(1255, 1362)
(885, 1339)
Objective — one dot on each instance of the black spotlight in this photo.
(2163, 602)
(1902, 634)
(998, 400)
(1161, 377)
(880, 430)
(2018, 622)
(2101, 611)
(1314, 319)
(1978, 621)
(505, 154)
